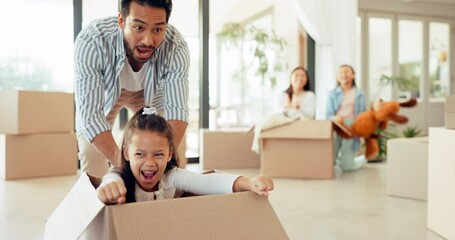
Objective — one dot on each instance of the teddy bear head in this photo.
(384, 111)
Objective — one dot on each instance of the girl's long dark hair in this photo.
(143, 122)
(289, 90)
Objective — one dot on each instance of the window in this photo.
(36, 48)
(245, 60)
(241, 93)
(358, 67)
(439, 60)
(94, 9)
(410, 55)
(185, 17)
(380, 57)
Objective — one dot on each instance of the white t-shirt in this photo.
(347, 107)
(306, 101)
(130, 80)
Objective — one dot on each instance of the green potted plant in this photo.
(265, 47)
(397, 84)
(411, 131)
(384, 136)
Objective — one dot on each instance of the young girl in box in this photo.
(149, 168)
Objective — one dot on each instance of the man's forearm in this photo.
(178, 130)
(105, 144)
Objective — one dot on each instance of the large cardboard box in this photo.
(24, 112)
(449, 109)
(234, 216)
(407, 167)
(302, 149)
(37, 155)
(224, 149)
(441, 182)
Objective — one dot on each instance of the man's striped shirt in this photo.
(99, 59)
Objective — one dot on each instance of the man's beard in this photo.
(130, 52)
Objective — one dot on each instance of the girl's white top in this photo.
(177, 181)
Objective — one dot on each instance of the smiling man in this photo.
(130, 61)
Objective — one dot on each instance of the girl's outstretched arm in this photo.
(260, 185)
(113, 192)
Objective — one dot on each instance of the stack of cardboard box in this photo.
(441, 175)
(36, 134)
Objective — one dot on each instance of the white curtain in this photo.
(332, 25)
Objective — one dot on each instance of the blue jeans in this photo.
(344, 154)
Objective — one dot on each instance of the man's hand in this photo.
(113, 192)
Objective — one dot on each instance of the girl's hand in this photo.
(113, 192)
(295, 102)
(338, 119)
(261, 185)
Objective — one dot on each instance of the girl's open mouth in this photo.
(148, 174)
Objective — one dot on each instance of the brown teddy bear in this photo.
(367, 122)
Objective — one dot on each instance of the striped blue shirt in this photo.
(99, 56)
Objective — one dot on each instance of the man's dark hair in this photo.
(164, 4)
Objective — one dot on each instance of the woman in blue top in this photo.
(345, 102)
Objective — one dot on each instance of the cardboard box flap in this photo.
(310, 129)
(449, 105)
(234, 216)
(77, 210)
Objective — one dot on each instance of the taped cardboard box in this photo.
(301, 149)
(407, 167)
(227, 149)
(25, 112)
(449, 112)
(234, 216)
(37, 155)
(441, 182)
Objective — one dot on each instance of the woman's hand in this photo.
(295, 104)
(113, 192)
